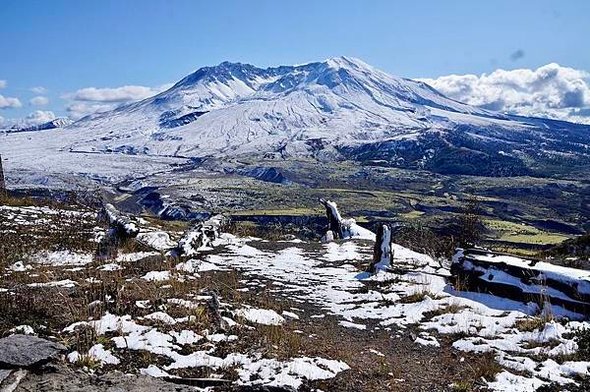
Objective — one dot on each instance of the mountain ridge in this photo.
(333, 110)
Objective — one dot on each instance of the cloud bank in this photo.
(551, 91)
(8, 102)
(118, 94)
(39, 101)
(96, 100)
(37, 117)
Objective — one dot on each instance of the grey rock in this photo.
(67, 379)
(25, 351)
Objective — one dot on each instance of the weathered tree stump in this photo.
(2, 180)
(214, 311)
(382, 251)
(334, 218)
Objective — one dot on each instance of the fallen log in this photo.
(521, 279)
(199, 237)
(121, 229)
(118, 221)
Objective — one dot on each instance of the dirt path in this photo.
(379, 359)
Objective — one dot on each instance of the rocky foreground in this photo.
(246, 313)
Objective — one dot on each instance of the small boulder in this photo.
(26, 351)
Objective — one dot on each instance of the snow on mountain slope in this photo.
(239, 109)
(337, 109)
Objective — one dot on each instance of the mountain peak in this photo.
(346, 62)
(233, 104)
(222, 72)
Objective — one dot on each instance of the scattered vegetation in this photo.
(62, 228)
(284, 340)
(415, 235)
(49, 309)
(463, 386)
(87, 362)
(451, 308)
(417, 296)
(583, 385)
(470, 223)
(530, 324)
(582, 339)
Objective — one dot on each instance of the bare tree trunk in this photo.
(382, 251)
(334, 219)
(2, 181)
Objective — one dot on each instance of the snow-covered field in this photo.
(326, 277)
(165, 320)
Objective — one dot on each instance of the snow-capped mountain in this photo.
(59, 122)
(336, 109)
(238, 108)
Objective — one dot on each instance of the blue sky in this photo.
(64, 46)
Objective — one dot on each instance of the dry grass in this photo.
(487, 367)
(88, 362)
(451, 308)
(20, 201)
(530, 324)
(582, 339)
(243, 229)
(63, 230)
(460, 282)
(284, 341)
(51, 307)
(418, 296)
(534, 344)
(463, 386)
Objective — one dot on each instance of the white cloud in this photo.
(38, 90)
(117, 94)
(39, 101)
(8, 102)
(35, 118)
(38, 117)
(2, 83)
(77, 110)
(550, 91)
(91, 100)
